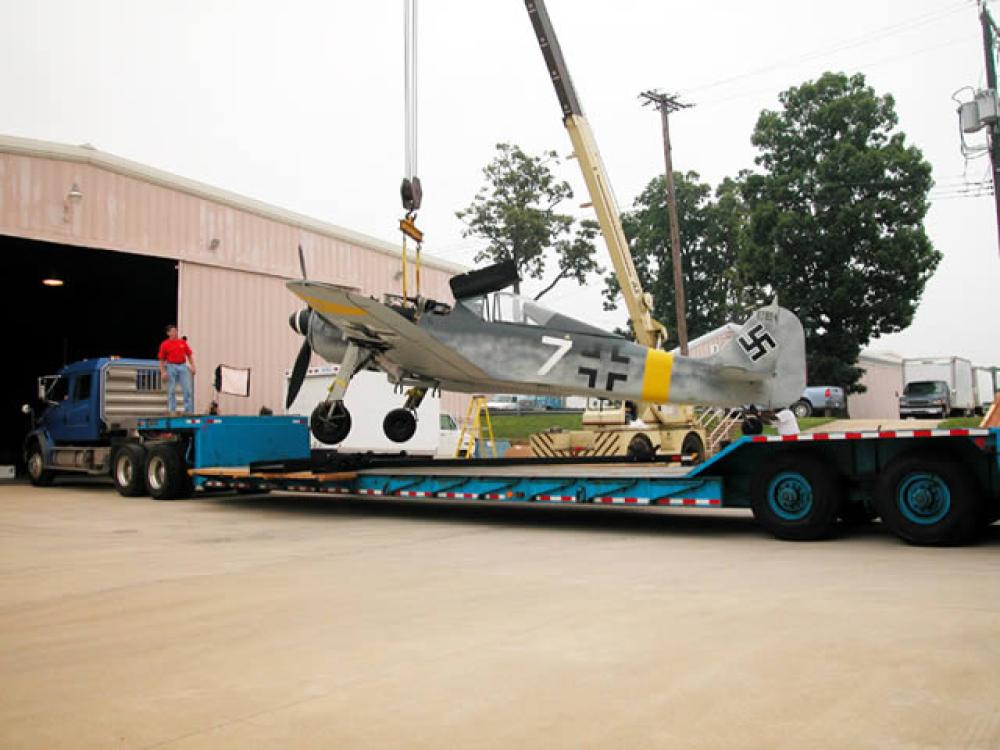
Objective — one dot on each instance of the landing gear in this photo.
(330, 422)
(399, 425)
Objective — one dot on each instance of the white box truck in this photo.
(937, 387)
(370, 397)
(986, 387)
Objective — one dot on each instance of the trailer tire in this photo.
(796, 497)
(38, 475)
(128, 470)
(166, 473)
(925, 499)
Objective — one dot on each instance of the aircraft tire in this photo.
(333, 428)
(796, 497)
(926, 499)
(399, 425)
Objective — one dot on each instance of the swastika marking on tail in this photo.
(757, 342)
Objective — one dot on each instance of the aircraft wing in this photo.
(363, 319)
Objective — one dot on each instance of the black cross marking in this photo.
(592, 373)
(757, 342)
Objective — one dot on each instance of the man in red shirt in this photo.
(176, 366)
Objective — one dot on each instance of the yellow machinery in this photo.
(640, 430)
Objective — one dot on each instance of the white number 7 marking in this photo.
(562, 346)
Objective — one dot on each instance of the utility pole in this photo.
(666, 104)
(989, 49)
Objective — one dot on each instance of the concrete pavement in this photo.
(316, 622)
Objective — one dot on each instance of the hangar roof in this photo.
(87, 154)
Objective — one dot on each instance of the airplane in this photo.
(493, 341)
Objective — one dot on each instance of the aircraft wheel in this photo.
(330, 425)
(641, 449)
(399, 425)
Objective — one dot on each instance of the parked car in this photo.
(822, 399)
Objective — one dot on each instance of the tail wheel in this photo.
(693, 444)
(796, 497)
(166, 473)
(641, 449)
(38, 475)
(330, 423)
(926, 499)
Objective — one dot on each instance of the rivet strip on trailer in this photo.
(870, 435)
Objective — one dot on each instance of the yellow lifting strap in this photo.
(409, 229)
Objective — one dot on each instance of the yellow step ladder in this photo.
(476, 417)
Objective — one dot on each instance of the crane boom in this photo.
(648, 331)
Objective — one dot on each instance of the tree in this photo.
(836, 219)
(712, 232)
(515, 211)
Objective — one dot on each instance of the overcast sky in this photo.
(299, 104)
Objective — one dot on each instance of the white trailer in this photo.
(986, 383)
(954, 372)
(370, 397)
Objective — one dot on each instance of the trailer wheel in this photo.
(926, 499)
(166, 473)
(38, 475)
(127, 470)
(796, 497)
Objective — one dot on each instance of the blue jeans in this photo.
(178, 374)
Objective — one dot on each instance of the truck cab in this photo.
(925, 398)
(84, 411)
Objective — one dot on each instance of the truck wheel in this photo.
(693, 445)
(127, 470)
(166, 473)
(38, 475)
(802, 409)
(796, 497)
(926, 499)
(641, 449)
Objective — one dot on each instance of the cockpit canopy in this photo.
(507, 307)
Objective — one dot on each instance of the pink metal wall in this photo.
(234, 253)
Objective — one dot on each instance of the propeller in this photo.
(300, 324)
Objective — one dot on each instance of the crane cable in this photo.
(410, 190)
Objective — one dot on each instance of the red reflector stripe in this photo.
(921, 433)
(887, 434)
(760, 438)
(789, 438)
(821, 436)
(852, 435)
(960, 433)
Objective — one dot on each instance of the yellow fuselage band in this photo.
(656, 376)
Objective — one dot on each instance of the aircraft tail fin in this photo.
(769, 355)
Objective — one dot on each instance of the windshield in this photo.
(506, 307)
(926, 388)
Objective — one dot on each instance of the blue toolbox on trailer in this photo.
(234, 440)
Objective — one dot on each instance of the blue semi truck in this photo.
(104, 417)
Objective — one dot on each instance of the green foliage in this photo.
(516, 213)
(711, 230)
(836, 219)
(523, 426)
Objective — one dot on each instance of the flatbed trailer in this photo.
(937, 486)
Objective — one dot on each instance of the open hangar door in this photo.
(62, 303)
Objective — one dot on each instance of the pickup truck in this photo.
(823, 399)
